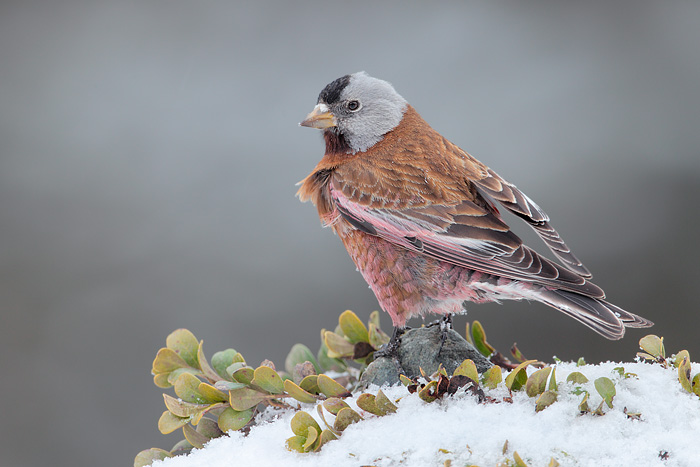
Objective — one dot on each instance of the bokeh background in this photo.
(149, 151)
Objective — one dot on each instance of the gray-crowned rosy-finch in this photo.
(418, 216)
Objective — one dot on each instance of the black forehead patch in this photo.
(331, 93)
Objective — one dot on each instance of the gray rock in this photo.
(419, 349)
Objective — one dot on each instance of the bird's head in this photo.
(355, 112)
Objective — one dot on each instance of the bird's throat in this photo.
(335, 142)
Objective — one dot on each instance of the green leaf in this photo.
(576, 378)
(684, 375)
(211, 394)
(268, 379)
(223, 359)
(428, 392)
(243, 375)
(183, 342)
(209, 428)
(334, 405)
(653, 345)
(245, 398)
(384, 405)
(167, 423)
(298, 393)
(553, 380)
(231, 419)
(580, 362)
(337, 345)
(405, 380)
(545, 399)
(344, 418)
(517, 354)
(537, 382)
(207, 370)
(187, 389)
(182, 447)
(149, 456)
(161, 380)
(367, 403)
(310, 384)
(479, 337)
(311, 437)
(696, 384)
(517, 378)
(467, 368)
(197, 440)
(296, 443)
(492, 377)
(377, 337)
(583, 406)
(180, 408)
(330, 387)
(327, 363)
(326, 435)
(606, 389)
(374, 319)
(678, 358)
(167, 360)
(300, 354)
(519, 462)
(354, 329)
(174, 375)
(301, 422)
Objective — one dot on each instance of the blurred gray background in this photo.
(149, 151)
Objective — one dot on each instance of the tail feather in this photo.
(604, 318)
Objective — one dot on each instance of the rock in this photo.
(419, 349)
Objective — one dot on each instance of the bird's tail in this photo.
(604, 318)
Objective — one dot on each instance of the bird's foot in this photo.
(391, 350)
(445, 324)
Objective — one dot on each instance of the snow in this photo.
(465, 432)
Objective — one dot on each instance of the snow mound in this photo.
(465, 432)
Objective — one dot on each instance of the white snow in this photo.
(465, 432)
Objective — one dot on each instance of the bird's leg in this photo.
(445, 324)
(391, 350)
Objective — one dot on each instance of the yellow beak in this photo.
(320, 118)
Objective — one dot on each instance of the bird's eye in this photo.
(353, 105)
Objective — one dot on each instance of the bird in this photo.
(421, 217)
